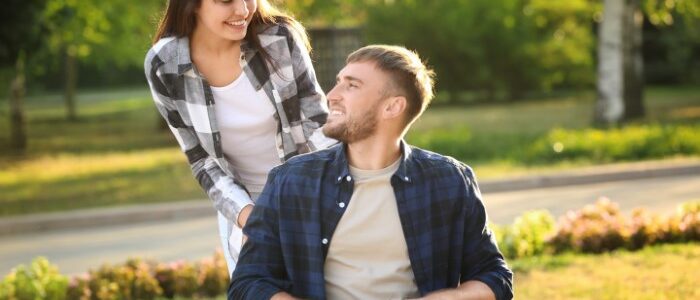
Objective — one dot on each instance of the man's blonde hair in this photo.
(410, 77)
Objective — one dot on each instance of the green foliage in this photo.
(601, 227)
(326, 12)
(213, 275)
(494, 47)
(596, 228)
(527, 236)
(20, 29)
(40, 281)
(627, 143)
(634, 142)
(118, 30)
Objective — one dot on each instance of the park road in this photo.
(77, 250)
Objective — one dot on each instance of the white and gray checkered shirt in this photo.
(184, 98)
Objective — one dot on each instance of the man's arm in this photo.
(260, 271)
(484, 273)
(469, 290)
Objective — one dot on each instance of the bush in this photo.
(595, 229)
(41, 281)
(645, 229)
(213, 275)
(527, 236)
(628, 143)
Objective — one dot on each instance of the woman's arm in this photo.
(314, 108)
(228, 196)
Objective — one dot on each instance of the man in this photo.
(372, 218)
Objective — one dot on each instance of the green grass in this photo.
(659, 272)
(115, 154)
(496, 139)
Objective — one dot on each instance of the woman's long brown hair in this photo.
(180, 20)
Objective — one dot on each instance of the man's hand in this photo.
(243, 215)
(467, 290)
(282, 296)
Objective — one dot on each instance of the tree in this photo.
(610, 107)
(116, 32)
(493, 49)
(620, 65)
(20, 34)
(327, 12)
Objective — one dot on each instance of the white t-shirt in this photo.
(245, 118)
(368, 257)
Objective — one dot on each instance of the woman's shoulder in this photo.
(288, 28)
(164, 49)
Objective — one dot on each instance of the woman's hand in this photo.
(243, 215)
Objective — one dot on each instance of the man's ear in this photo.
(394, 107)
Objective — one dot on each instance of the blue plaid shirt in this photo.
(440, 208)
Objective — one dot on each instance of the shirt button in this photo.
(340, 178)
(348, 178)
(406, 178)
(341, 204)
(324, 241)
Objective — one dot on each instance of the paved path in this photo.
(76, 250)
(660, 195)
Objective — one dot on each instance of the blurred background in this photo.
(554, 104)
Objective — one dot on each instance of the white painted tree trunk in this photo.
(610, 105)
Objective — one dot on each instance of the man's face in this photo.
(355, 102)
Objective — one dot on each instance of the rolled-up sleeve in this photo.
(260, 272)
(482, 260)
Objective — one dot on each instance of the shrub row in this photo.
(135, 279)
(597, 228)
(593, 145)
(627, 143)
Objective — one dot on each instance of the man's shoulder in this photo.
(309, 162)
(431, 162)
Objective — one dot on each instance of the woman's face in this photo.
(228, 19)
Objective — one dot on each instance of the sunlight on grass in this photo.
(116, 152)
(69, 166)
(660, 272)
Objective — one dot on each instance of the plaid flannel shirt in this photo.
(184, 98)
(442, 216)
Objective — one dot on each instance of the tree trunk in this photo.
(610, 108)
(71, 81)
(634, 63)
(18, 134)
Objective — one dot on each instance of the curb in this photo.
(198, 208)
(106, 216)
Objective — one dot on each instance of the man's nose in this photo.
(333, 95)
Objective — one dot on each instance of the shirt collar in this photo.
(342, 171)
(184, 60)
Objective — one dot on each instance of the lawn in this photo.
(659, 272)
(116, 154)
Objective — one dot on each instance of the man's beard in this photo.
(353, 129)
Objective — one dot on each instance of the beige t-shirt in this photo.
(367, 257)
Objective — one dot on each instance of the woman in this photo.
(234, 81)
